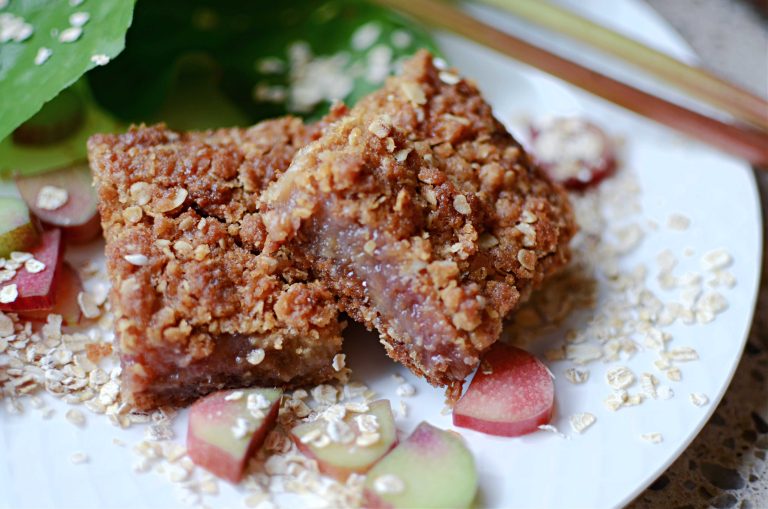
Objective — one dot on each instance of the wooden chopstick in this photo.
(711, 89)
(742, 142)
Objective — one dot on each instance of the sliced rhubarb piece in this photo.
(67, 289)
(227, 427)
(573, 151)
(431, 469)
(38, 290)
(18, 229)
(356, 443)
(511, 394)
(64, 198)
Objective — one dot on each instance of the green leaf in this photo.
(26, 86)
(258, 59)
(24, 160)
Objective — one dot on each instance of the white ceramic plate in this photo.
(605, 467)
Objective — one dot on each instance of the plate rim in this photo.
(631, 495)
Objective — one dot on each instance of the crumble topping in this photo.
(191, 289)
(420, 175)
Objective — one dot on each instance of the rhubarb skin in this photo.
(38, 291)
(342, 460)
(78, 217)
(211, 442)
(67, 290)
(19, 231)
(512, 394)
(436, 469)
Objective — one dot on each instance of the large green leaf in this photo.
(25, 86)
(26, 160)
(174, 45)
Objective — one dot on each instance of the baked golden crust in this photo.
(425, 217)
(197, 306)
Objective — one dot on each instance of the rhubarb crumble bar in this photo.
(425, 217)
(197, 306)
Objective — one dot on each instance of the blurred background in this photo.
(731, 36)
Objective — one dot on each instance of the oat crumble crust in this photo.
(425, 217)
(192, 293)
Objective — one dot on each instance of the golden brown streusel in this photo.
(425, 217)
(193, 296)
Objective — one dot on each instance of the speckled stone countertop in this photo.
(726, 466)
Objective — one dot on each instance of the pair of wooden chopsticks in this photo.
(697, 82)
(745, 142)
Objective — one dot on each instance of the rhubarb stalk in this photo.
(742, 142)
(697, 82)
